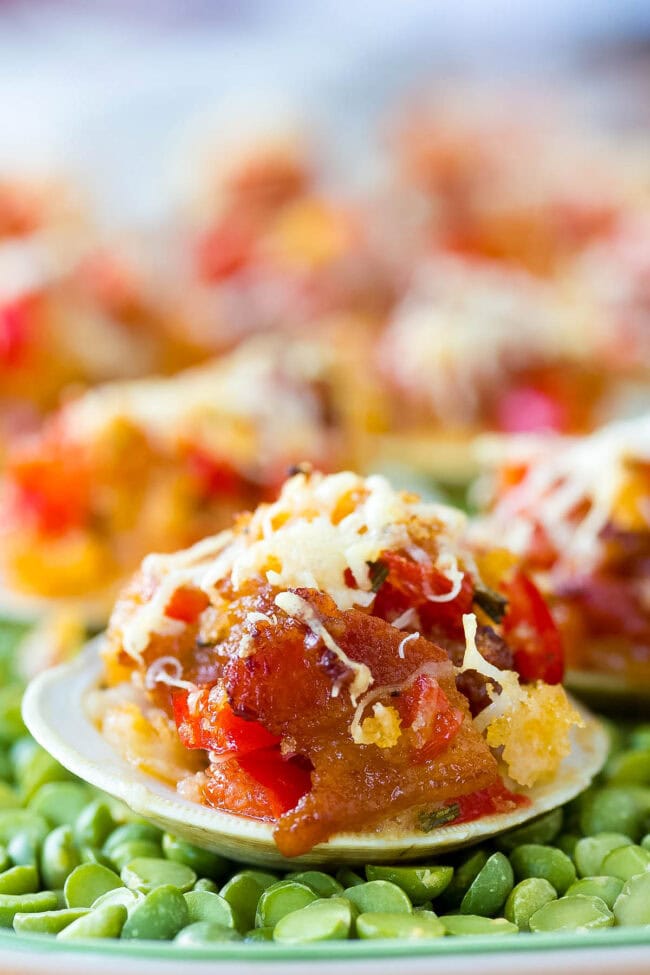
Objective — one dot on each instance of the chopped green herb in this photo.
(433, 818)
(491, 602)
(378, 574)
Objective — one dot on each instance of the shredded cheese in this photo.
(151, 618)
(159, 673)
(433, 669)
(405, 619)
(300, 542)
(466, 323)
(508, 680)
(246, 647)
(260, 618)
(570, 489)
(401, 648)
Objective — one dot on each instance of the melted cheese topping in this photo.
(382, 729)
(464, 324)
(530, 722)
(319, 528)
(258, 403)
(565, 475)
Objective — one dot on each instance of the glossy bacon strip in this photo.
(286, 683)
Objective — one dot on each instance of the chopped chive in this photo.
(433, 818)
(491, 602)
(378, 574)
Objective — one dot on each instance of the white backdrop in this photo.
(107, 89)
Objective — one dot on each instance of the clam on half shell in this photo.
(54, 713)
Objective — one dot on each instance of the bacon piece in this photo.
(287, 683)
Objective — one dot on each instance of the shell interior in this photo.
(54, 713)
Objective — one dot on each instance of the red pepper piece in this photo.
(409, 585)
(187, 605)
(532, 632)
(424, 707)
(215, 476)
(215, 727)
(250, 749)
(287, 780)
(497, 798)
(50, 489)
(224, 250)
(239, 737)
(15, 321)
(230, 787)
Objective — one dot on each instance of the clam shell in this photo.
(610, 692)
(448, 457)
(94, 611)
(55, 716)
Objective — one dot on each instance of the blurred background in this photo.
(107, 89)
(354, 234)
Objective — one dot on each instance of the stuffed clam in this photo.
(576, 511)
(148, 465)
(337, 677)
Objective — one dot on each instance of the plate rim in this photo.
(443, 947)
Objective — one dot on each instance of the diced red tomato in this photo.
(497, 798)
(424, 707)
(215, 476)
(409, 585)
(350, 581)
(187, 605)
(15, 319)
(532, 632)
(233, 788)
(250, 752)
(215, 727)
(224, 250)
(529, 410)
(52, 491)
(286, 779)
